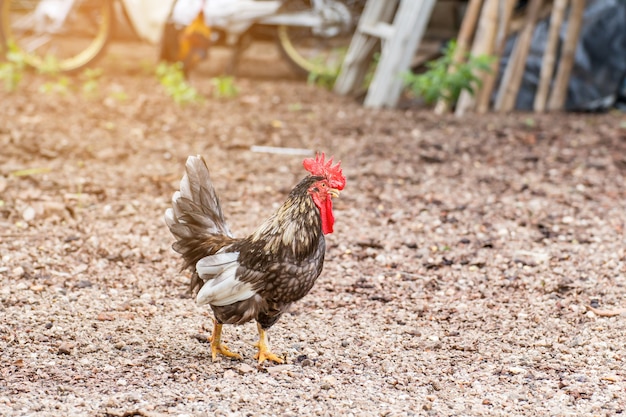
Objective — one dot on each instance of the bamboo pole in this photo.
(484, 43)
(489, 80)
(559, 91)
(466, 32)
(512, 79)
(549, 55)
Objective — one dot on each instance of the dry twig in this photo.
(607, 313)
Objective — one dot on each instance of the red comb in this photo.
(326, 169)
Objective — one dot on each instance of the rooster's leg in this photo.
(217, 346)
(264, 348)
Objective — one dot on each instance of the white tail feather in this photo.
(170, 219)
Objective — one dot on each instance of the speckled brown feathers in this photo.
(290, 235)
(281, 260)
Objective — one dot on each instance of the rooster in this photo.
(194, 43)
(188, 45)
(256, 277)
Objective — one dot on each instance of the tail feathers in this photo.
(196, 203)
(205, 218)
(196, 218)
(196, 186)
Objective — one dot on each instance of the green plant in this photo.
(324, 80)
(120, 96)
(327, 75)
(91, 82)
(61, 86)
(295, 107)
(172, 78)
(445, 79)
(12, 71)
(49, 66)
(224, 87)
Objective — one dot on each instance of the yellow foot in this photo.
(264, 355)
(222, 349)
(217, 346)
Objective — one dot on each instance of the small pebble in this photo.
(229, 373)
(277, 369)
(202, 338)
(244, 368)
(19, 272)
(28, 214)
(36, 288)
(65, 348)
(105, 317)
(328, 382)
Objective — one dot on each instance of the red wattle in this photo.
(326, 213)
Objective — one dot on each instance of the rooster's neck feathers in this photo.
(294, 230)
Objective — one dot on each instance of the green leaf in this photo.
(440, 83)
(172, 78)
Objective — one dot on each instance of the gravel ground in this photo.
(477, 265)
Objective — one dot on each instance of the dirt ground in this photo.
(477, 265)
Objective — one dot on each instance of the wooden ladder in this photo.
(400, 34)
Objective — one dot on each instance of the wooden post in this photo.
(549, 55)
(484, 43)
(489, 80)
(462, 43)
(559, 91)
(409, 25)
(375, 15)
(512, 79)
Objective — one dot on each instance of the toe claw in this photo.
(264, 355)
(223, 350)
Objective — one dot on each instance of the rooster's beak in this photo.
(333, 192)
